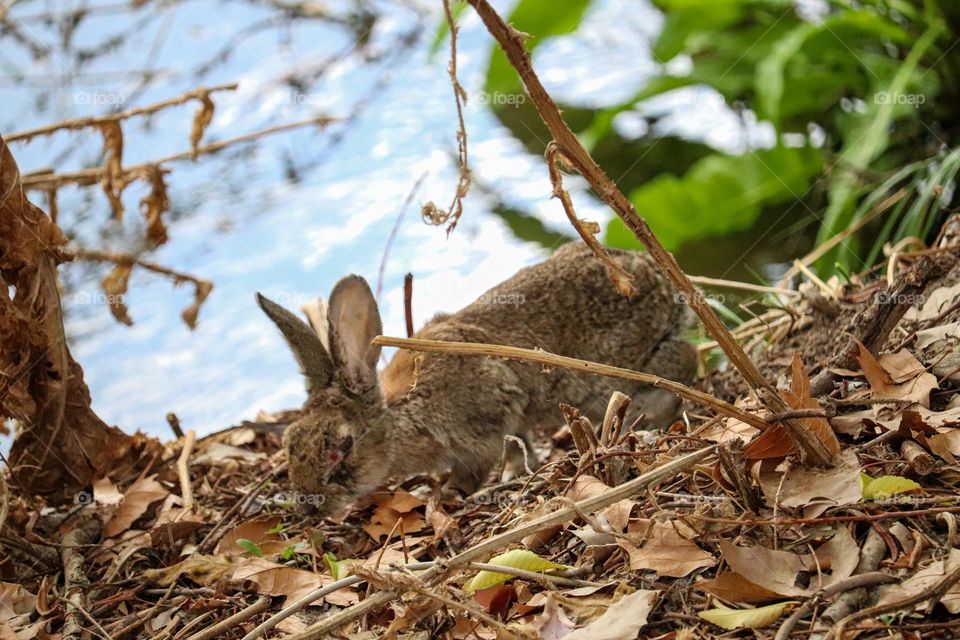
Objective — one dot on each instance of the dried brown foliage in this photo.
(62, 444)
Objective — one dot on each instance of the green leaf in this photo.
(516, 559)
(277, 528)
(250, 547)
(339, 569)
(885, 486)
(540, 19)
(720, 194)
(866, 139)
(686, 18)
(758, 618)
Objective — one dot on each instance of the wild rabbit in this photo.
(432, 412)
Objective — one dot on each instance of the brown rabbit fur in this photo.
(436, 412)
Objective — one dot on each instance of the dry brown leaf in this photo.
(840, 555)
(256, 530)
(901, 366)
(773, 570)
(729, 429)
(798, 397)
(113, 181)
(115, 285)
(201, 291)
(622, 620)
(775, 441)
(883, 385)
(553, 623)
(799, 486)
(201, 120)
(395, 513)
(154, 205)
(930, 575)
(15, 601)
(934, 303)
(203, 569)
(585, 487)
(277, 580)
(136, 500)
(733, 587)
(664, 549)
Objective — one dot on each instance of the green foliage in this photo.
(250, 547)
(719, 194)
(873, 78)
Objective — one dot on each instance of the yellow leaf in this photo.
(886, 486)
(516, 559)
(731, 619)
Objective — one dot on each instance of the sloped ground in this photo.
(743, 537)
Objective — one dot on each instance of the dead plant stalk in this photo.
(553, 360)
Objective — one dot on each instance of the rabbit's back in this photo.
(567, 305)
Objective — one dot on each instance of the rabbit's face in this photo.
(333, 449)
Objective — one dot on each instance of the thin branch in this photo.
(96, 121)
(127, 259)
(408, 303)
(619, 276)
(221, 628)
(812, 450)
(934, 592)
(431, 212)
(395, 229)
(47, 180)
(848, 584)
(553, 360)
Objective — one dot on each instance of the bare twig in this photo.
(95, 121)
(812, 451)
(46, 180)
(853, 582)
(75, 580)
(619, 276)
(221, 628)
(553, 360)
(395, 229)
(933, 593)
(408, 303)
(431, 212)
(183, 470)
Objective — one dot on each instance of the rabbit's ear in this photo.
(315, 362)
(354, 323)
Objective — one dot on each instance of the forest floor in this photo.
(734, 537)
